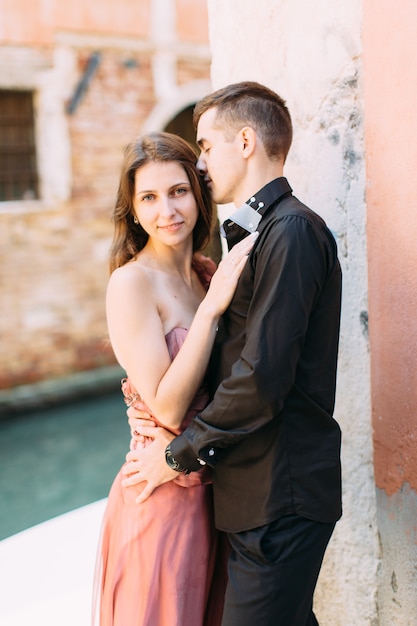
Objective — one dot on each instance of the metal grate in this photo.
(18, 170)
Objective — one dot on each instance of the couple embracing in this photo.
(231, 490)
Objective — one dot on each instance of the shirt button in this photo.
(211, 452)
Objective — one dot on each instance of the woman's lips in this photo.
(171, 227)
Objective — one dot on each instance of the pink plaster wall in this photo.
(390, 71)
(192, 20)
(43, 19)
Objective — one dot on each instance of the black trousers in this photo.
(273, 572)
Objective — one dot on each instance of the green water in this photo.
(58, 459)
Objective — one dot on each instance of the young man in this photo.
(268, 433)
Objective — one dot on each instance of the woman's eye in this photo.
(148, 197)
(180, 191)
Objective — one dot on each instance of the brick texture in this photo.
(53, 259)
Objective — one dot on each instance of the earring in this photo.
(135, 219)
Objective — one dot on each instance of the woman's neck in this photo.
(171, 260)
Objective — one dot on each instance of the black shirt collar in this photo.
(267, 197)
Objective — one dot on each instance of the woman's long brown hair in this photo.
(129, 238)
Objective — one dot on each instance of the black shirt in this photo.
(268, 432)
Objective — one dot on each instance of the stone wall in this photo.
(311, 55)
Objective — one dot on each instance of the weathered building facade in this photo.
(96, 74)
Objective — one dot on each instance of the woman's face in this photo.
(164, 202)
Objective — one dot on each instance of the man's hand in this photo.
(148, 464)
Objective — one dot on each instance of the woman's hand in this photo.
(136, 419)
(224, 281)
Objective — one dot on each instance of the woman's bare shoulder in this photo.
(132, 273)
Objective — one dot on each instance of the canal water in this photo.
(59, 458)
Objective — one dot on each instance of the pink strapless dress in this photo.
(162, 562)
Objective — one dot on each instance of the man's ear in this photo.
(248, 138)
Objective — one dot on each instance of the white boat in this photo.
(46, 572)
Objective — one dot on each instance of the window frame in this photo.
(49, 78)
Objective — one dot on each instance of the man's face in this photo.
(220, 160)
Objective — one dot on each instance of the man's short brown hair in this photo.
(251, 104)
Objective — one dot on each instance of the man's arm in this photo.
(290, 266)
(289, 272)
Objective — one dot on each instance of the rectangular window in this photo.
(18, 169)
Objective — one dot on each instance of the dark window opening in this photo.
(182, 125)
(18, 167)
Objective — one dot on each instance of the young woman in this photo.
(160, 563)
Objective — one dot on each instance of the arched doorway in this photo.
(182, 125)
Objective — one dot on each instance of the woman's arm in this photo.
(138, 336)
